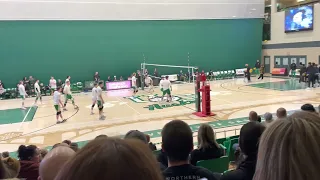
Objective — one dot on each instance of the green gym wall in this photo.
(80, 48)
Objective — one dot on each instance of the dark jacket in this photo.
(205, 154)
(29, 170)
(311, 70)
(163, 158)
(245, 170)
(257, 65)
(303, 70)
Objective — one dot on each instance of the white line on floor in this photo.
(25, 117)
(129, 106)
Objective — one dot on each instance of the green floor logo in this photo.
(179, 100)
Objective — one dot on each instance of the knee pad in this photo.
(93, 105)
(58, 113)
(100, 108)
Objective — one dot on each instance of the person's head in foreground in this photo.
(28, 153)
(250, 134)
(290, 149)
(74, 146)
(114, 159)
(9, 168)
(177, 142)
(253, 116)
(43, 153)
(5, 154)
(135, 134)
(281, 113)
(206, 137)
(308, 108)
(54, 161)
(101, 136)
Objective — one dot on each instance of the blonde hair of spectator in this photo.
(206, 136)
(289, 149)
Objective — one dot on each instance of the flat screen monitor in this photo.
(299, 19)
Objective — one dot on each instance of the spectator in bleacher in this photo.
(121, 78)
(29, 162)
(268, 119)
(67, 142)
(74, 146)
(9, 168)
(114, 159)
(248, 141)
(281, 113)
(54, 161)
(135, 134)
(177, 142)
(101, 136)
(43, 153)
(60, 144)
(253, 116)
(208, 148)
(152, 146)
(5, 154)
(308, 108)
(290, 149)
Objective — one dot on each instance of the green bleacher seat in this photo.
(218, 165)
(230, 150)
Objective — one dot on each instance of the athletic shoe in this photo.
(102, 118)
(91, 113)
(63, 120)
(59, 122)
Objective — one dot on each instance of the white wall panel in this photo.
(129, 9)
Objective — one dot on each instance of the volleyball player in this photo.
(68, 79)
(94, 96)
(100, 101)
(23, 94)
(37, 90)
(57, 102)
(149, 83)
(134, 83)
(53, 85)
(68, 95)
(166, 88)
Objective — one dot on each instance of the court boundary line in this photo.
(126, 103)
(24, 118)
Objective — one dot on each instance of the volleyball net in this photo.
(175, 73)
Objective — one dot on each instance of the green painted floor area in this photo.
(287, 85)
(10, 116)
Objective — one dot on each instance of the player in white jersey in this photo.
(149, 83)
(100, 101)
(68, 79)
(166, 88)
(134, 83)
(23, 94)
(53, 85)
(37, 90)
(68, 95)
(57, 102)
(94, 96)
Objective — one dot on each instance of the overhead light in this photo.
(234, 16)
(300, 0)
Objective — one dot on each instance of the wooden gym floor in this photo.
(231, 100)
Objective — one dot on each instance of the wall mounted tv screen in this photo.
(299, 19)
